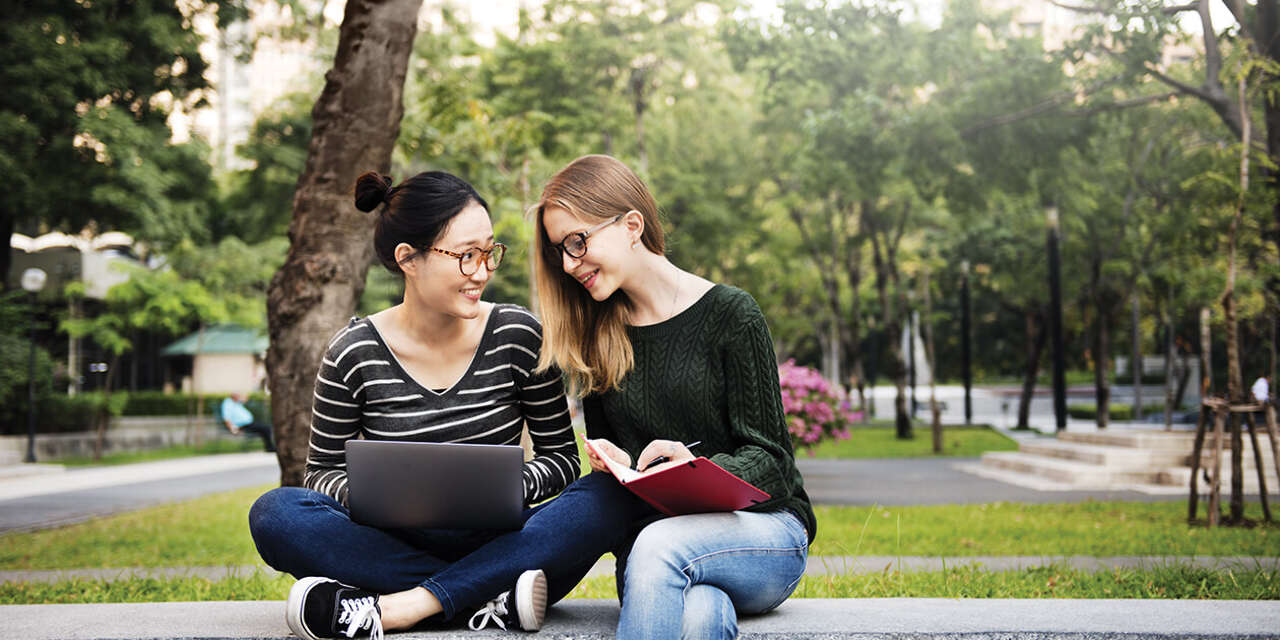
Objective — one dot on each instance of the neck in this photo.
(654, 289)
(428, 326)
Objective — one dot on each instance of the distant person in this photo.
(238, 419)
(1262, 390)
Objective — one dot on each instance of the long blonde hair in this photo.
(584, 338)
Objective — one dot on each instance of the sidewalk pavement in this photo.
(43, 496)
(798, 618)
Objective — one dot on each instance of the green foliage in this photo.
(59, 413)
(1116, 410)
(157, 403)
(1015, 529)
(258, 201)
(82, 124)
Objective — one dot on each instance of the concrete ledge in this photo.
(802, 619)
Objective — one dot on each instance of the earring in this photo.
(635, 244)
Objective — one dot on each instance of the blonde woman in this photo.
(665, 357)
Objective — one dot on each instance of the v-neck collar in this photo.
(475, 356)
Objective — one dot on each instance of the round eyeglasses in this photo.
(469, 260)
(575, 244)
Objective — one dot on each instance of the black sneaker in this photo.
(523, 607)
(325, 608)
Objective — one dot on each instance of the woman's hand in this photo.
(609, 449)
(670, 449)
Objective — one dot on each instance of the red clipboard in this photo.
(690, 486)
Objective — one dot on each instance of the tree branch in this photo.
(1043, 106)
(1094, 8)
(1123, 104)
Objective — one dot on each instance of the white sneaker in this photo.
(523, 607)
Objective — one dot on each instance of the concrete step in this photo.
(797, 618)
(1067, 471)
(1181, 477)
(1110, 456)
(1137, 439)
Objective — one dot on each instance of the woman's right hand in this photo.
(609, 449)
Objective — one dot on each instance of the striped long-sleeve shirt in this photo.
(363, 391)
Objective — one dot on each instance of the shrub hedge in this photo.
(1117, 411)
(59, 413)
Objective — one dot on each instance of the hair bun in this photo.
(372, 189)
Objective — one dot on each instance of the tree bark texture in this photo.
(1206, 353)
(1036, 335)
(356, 123)
(1102, 359)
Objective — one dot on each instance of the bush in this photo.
(815, 412)
(1117, 411)
(158, 403)
(59, 413)
(1151, 378)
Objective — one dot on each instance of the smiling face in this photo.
(608, 261)
(434, 279)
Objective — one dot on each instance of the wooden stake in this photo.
(1274, 437)
(1257, 461)
(1215, 480)
(1196, 452)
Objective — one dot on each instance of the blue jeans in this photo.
(307, 533)
(689, 576)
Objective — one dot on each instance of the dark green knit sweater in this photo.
(708, 374)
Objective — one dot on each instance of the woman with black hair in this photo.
(442, 366)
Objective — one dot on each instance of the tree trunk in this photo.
(7, 225)
(1170, 354)
(1206, 352)
(892, 306)
(1235, 377)
(1102, 358)
(104, 413)
(639, 82)
(355, 124)
(1035, 348)
(1135, 366)
(926, 328)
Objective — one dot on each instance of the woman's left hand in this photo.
(670, 449)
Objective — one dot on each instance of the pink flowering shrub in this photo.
(815, 410)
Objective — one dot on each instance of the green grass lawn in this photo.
(220, 445)
(880, 441)
(213, 531)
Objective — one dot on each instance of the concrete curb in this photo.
(817, 566)
(803, 619)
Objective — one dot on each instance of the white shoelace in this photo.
(493, 610)
(358, 613)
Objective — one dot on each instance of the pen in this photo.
(661, 459)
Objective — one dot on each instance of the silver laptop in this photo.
(436, 486)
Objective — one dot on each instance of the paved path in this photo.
(919, 481)
(58, 497)
(798, 618)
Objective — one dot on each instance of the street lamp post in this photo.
(32, 281)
